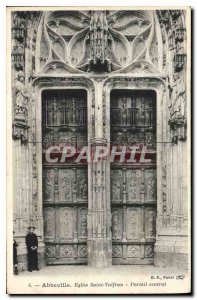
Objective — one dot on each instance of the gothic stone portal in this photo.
(65, 197)
(78, 60)
(133, 186)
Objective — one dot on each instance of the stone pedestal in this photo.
(99, 253)
(172, 251)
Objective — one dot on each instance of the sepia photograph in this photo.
(99, 139)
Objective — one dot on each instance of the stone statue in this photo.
(178, 98)
(21, 97)
(177, 119)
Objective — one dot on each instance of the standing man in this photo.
(15, 260)
(32, 246)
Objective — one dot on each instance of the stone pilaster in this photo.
(172, 244)
(99, 231)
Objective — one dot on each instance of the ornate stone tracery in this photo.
(99, 41)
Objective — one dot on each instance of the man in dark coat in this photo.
(32, 246)
(15, 260)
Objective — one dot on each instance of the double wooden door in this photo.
(65, 184)
(133, 185)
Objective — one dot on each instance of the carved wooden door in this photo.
(65, 187)
(133, 184)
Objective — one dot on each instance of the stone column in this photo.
(21, 177)
(99, 222)
(171, 246)
(20, 199)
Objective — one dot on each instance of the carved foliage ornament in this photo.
(177, 120)
(173, 28)
(18, 40)
(100, 41)
(20, 93)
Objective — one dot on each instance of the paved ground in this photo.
(113, 280)
(119, 269)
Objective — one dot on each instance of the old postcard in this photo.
(98, 132)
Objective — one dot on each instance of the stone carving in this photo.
(164, 181)
(179, 62)
(21, 98)
(33, 19)
(173, 28)
(104, 114)
(99, 36)
(98, 41)
(177, 119)
(34, 201)
(20, 94)
(18, 37)
(18, 55)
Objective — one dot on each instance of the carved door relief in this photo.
(133, 184)
(65, 183)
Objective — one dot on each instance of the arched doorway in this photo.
(65, 183)
(134, 178)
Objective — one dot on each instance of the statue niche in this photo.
(21, 98)
(177, 119)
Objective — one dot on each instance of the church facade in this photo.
(102, 79)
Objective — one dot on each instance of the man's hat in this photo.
(31, 227)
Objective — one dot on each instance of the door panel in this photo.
(65, 184)
(133, 185)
